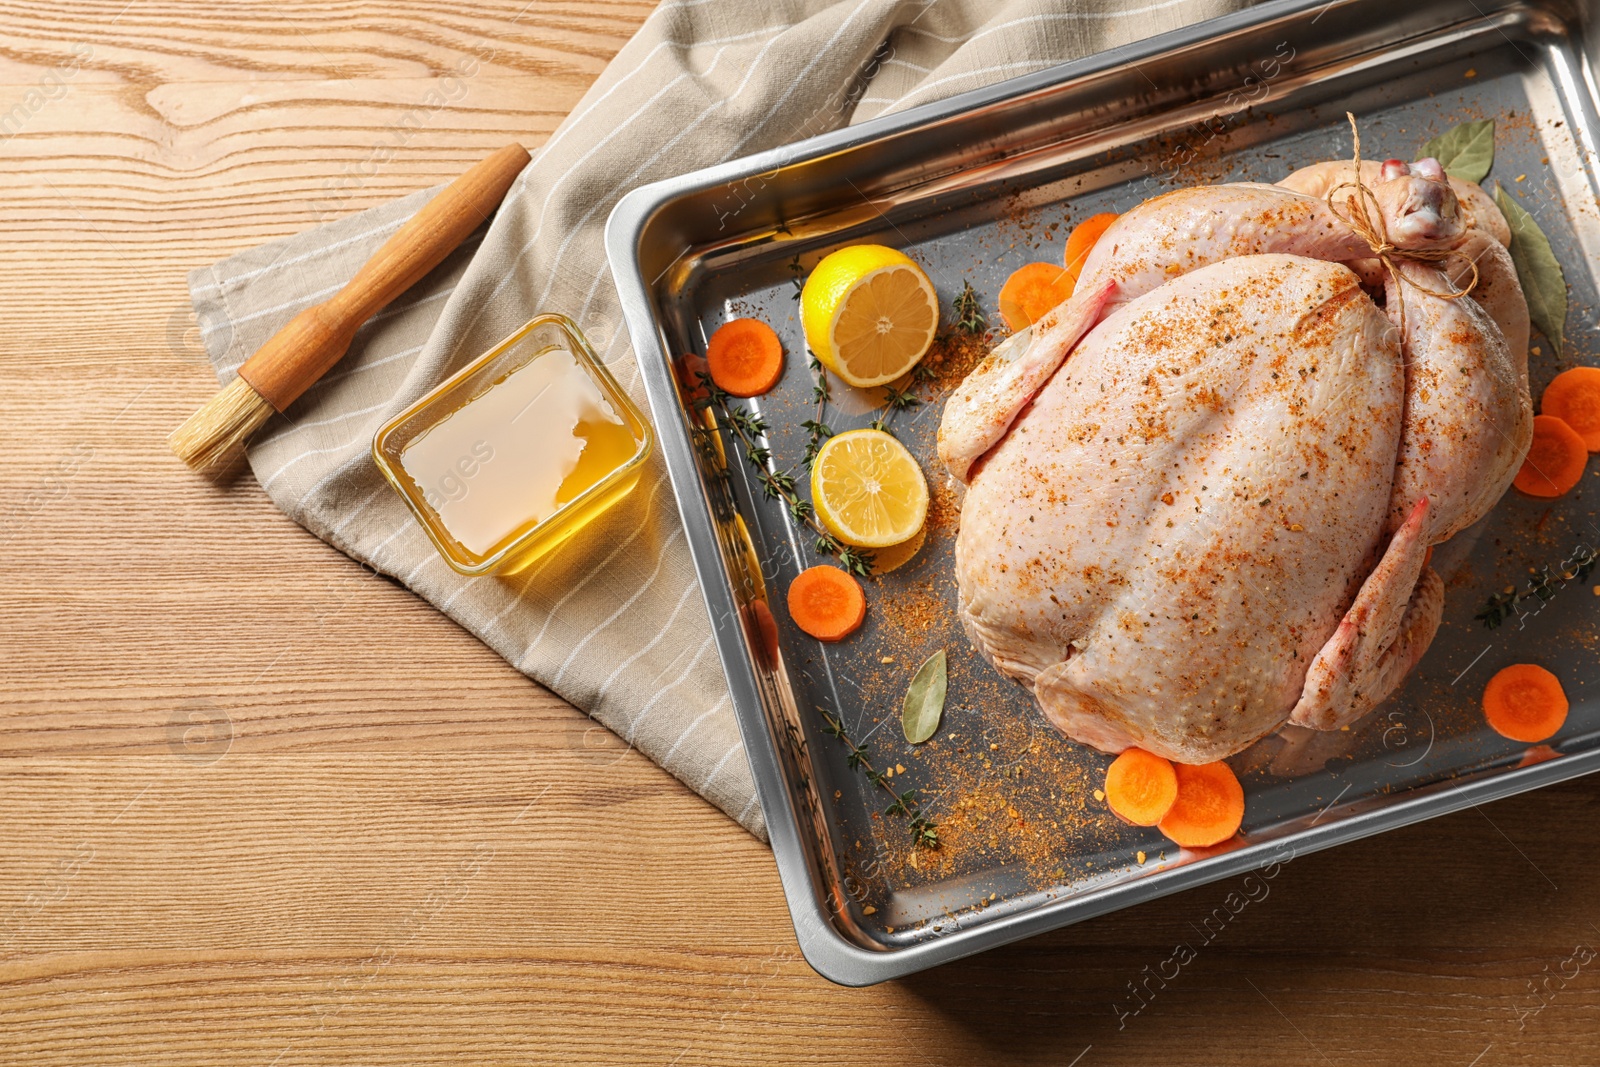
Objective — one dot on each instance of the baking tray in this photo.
(973, 187)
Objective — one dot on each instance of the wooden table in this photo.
(260, 807)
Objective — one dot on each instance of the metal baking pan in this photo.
(973, 187)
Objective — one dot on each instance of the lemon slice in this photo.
(868, 490)
(869, 313)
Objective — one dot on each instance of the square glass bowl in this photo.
(532, 537)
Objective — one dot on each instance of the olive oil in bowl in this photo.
(517, 451)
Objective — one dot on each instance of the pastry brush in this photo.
(300, 353)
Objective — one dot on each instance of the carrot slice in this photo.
(1141, 787)
(1555, 460)
(1032, 290)
(1525, 702)
(1209, 808)
(1574, 398)
(745, 357)
(827, 603)
(1081, 241)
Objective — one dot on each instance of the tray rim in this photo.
(827, 951)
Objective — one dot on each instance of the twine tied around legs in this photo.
(1363, 214)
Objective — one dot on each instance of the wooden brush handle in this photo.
(301, 352)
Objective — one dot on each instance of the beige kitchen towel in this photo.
(613, 622)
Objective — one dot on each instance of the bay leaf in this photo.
(1465, 151)
(1543, 282)
(924, 703)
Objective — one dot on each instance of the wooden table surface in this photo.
(260, 807)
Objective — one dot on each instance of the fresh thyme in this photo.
(1544, 585)
(900, 399)
(924, 831)
(817, 431)
(969, 314)
(821, 392)
(749, 429)
(796, 274)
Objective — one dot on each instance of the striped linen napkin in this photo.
(613, 622)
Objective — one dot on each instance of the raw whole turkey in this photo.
(1199, 495)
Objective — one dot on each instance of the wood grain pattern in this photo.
(262, 807)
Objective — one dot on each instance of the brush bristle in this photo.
(215, 434)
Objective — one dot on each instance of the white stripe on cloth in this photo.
(576, 119)
(644, 712)
(398, 530)
(615, 615)
(358, 509)
(211, 287)
(362, 368)
(795, 84)
(302, 457)
(305, 300)
(291, 427)
(1025, 64)
(469, 583)
(896, 61)
(698, 719)
(1054, 16)
(666, 627)
(753, 796)
(737, 746)
(615, 188)
(430, 557)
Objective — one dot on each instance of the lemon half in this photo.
(868, 490)
(869, 313)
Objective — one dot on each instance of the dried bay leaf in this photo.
(1543, 282)
(924, 703)
(1465, 151)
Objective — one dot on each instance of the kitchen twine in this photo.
(1364, 215)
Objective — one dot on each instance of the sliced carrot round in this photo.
(1081, 241)
(827, 603)
(745, 357)
(1141, 787)
(1525, 702)
(1209, 808)
(1555, 460)
(1032, 290)
(1574, 398)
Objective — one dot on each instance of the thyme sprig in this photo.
(899, 399)
(924, 831)
(750, 431)
(969, 313)
(895, 400)
(817, 431)
(1543, 586)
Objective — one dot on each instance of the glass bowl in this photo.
(459, 438)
